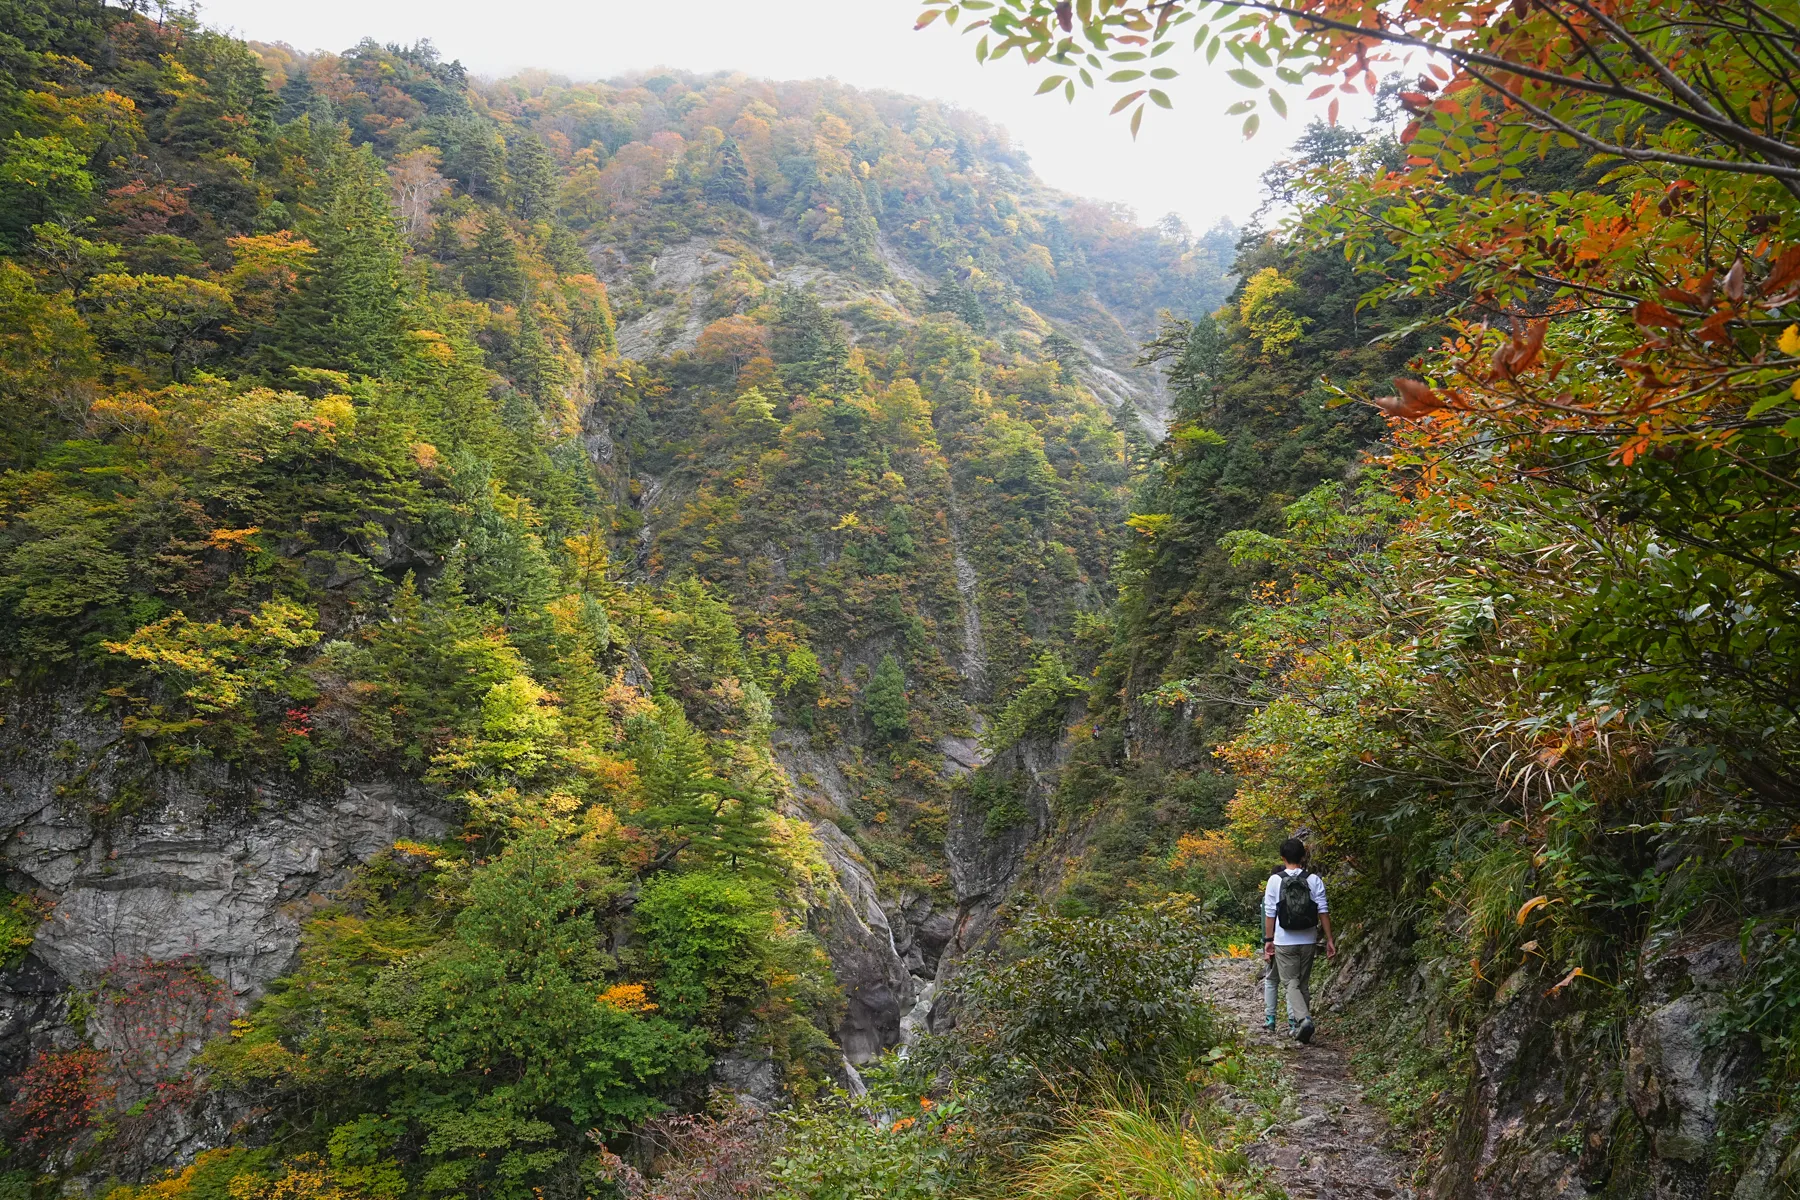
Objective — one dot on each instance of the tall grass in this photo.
(1124, 1149)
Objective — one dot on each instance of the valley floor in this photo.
(1328, 1143)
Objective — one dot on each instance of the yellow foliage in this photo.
(627, 997)
(1261, 309)
(1150, 524)
(1215, 852)
(176, 1185)
(223, 664)
(308, 1177)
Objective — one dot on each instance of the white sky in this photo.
(1192, 161)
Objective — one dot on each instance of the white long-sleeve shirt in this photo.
(1272, 898)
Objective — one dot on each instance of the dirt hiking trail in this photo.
(1330, 1143)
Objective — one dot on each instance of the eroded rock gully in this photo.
(1329, 1143)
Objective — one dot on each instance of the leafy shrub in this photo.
(1077, 1002)
(20, 917)
(1037, 709)
(707, 937)
(996, 795)
(891, 1143)
(481, 1047)
(722, 1154)
(59, 1097)
(210, 1176)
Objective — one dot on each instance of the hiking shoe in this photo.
(1305, 1032)
(1268, 1024)
(1293, 1027)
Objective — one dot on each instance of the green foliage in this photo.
(47, 363)
(699, 817)
(346, 315)
(1074, 1003)
(491, 266)
(43, 180)
(1038, 708)
(315, 440)
(891, 1141)
(485, 1048)
(156, 321)
(713, 942)
(996, 795)
(954, 298)
(20, 917)
(884, 701)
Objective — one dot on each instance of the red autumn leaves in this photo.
(1415, 399)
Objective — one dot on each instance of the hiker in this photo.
(1294, 915)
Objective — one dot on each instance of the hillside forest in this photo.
(697, 636)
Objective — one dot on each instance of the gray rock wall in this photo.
(1617, 1093)
(140, 861)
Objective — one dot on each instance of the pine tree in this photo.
(730, 182)
(347, 315)
(446, 245)
(1065, 352)
(809, 344)
(563, 251)
(296, 96)
(491, 267)
(693, 814)
(539, 370)
(884, 701)
(533, 174)
(958, 299)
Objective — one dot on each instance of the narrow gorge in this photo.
(692, 635)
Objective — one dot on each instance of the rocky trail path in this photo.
(1330, 1143)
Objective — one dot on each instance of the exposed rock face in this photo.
(33, 1006)
(183, 883)
(204, 868)
(987, 855)
(1674, 1080)
(1563, 1102)
(877, 988)
(145, 866)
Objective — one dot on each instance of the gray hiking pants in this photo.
(1295, 965)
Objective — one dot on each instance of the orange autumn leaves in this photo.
(628, 998)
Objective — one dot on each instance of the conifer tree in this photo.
(347, 314)
(809, 344)
(694, 815)
(564, 252)
(491, 267)
(730, 182)
(958, 299)
(533, 174)
(296, 96)
(1064, 351)
(884, 701)
(445, 244)
(540, 370)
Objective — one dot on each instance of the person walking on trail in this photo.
(1295, 914)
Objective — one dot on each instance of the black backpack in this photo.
(1296, 909)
